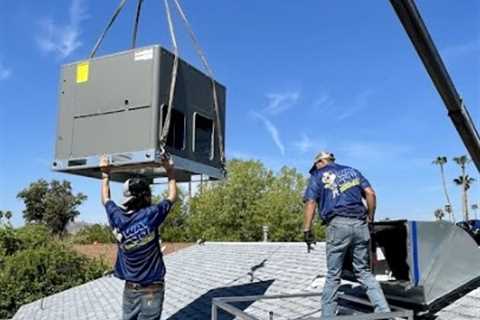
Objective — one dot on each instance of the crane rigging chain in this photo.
(200, 52)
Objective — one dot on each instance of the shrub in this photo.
(9, 242)
(28, 236)
(94, 233)
(34, 265)
(33, 235)
(173, 229)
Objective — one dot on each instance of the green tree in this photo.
(28, 236)
(53, 204)
(9, 243)
(441, 161)
(465, 183)
(235, 209)
(173, 229)
(462, 161)
(226, 210)
(281, 206)
(6, 214)
(439, 214)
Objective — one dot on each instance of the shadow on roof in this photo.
(201, 307)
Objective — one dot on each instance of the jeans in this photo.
(143, 303)
(342, 234)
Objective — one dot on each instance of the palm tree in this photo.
(8, 215)
(439, 214)
(465, 182)
(441, 161)
(462, 161)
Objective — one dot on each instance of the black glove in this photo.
(309, 239)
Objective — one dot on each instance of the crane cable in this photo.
(200, 52)
(203, 58)
(166, 124)
(109, 25)
(135, 23)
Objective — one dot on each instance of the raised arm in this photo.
(371, 198)
(105, 168)
(172, 183)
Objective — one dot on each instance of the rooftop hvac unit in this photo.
(117, 105)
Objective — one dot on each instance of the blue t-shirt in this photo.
(338, 191)
(139, 258)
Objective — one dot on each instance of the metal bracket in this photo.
(223, 303)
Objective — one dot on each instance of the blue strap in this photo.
(416, 269)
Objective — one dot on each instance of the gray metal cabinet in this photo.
(116, 105)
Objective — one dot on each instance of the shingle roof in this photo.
(197, 274)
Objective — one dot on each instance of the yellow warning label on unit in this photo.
(82, 72)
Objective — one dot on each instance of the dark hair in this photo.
(139, 202)
(140, 189)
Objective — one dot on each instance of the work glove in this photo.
(309, 239)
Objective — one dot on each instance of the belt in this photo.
(348, 217)
(133, 285)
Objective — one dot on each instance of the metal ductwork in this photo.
(422, 264)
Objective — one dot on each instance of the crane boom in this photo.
(416, 29)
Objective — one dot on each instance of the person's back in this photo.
(338, 191)
(139, 257)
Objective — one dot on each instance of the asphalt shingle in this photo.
(199, 273)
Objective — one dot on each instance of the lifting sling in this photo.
(199, 51)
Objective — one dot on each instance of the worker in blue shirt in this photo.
(139, 258)
(338, 192)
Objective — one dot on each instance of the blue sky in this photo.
(301, 76)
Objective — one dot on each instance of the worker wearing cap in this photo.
(338, 191)
(139, 258)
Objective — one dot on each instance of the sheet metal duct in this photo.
(116, 104)
(422, 263)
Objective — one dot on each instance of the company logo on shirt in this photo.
(328, 180)
(341, 181)
(137, 236)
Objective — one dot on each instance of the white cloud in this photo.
(5, 72)
(63, 40)
(272, 130)
(360, 102)
(323, 102)
(280, 102)
(304, 144)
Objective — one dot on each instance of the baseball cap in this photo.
(320, 156)
(133, 188)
